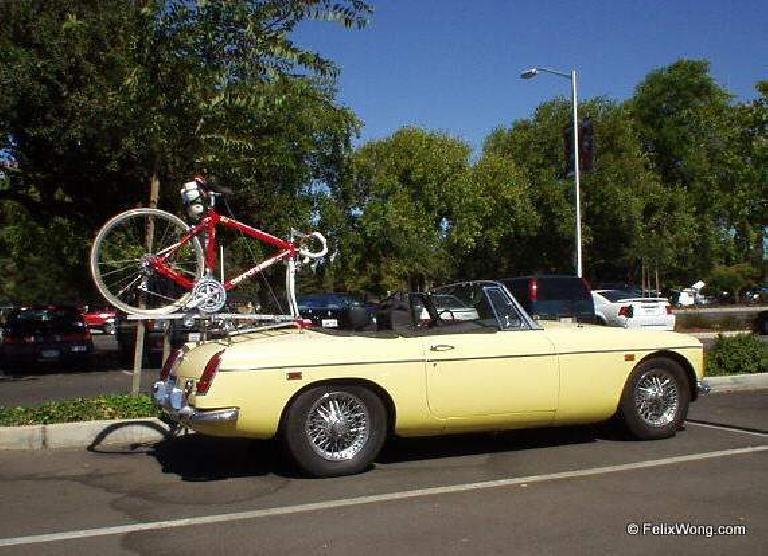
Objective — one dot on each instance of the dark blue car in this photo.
(336, 310)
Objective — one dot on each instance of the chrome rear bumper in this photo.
(173, 401)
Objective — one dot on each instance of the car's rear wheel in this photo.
(655, 400)
(333, 430)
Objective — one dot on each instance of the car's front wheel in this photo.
(655, 400)
(333, 430)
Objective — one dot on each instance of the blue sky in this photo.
(454, 66)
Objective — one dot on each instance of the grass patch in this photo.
(81, 409)
(737, 355)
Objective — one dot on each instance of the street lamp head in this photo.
(529, 73)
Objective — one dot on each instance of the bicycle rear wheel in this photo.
(120, 261)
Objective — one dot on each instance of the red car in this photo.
(100, 318)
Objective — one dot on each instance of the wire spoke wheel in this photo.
(655, 400)
(657, 397)
(338, 426)
(121, 261)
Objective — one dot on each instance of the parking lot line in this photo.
(341, 503)
(727, 428)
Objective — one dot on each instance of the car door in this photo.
(509, 370)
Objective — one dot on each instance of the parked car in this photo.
(333, 397)
(553, 297)
(757, 294)
(51, 334)
(395, 310)
(761, 323)
(682, 298)
(179, 331)
(336, 310)
(100, 319)
(620, 308)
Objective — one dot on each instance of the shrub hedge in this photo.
(737, 355)
(80, 409)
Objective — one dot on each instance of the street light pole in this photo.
(531, 73)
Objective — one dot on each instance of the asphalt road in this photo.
(573, 490)
(32, 386)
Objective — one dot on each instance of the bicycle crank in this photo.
(208, 296)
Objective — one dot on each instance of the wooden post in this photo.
(154, 194)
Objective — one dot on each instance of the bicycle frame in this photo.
(208, 226)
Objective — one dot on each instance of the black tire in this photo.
(655, 400)
(341, 451)
(120, 267)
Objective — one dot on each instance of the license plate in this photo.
(193, 337)
(50, 354)
(329, 323)
(79, 348)
(651, 310)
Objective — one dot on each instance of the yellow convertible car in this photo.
(333, 397)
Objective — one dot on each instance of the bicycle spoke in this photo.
(121, 269)
(121, 247)
(121, 292)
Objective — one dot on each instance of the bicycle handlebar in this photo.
(305, 252)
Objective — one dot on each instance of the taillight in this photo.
(626, 311)
(533, 290)
(170, 363)
(669, 309)
(204, 382)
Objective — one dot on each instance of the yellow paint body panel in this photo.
(437, 383)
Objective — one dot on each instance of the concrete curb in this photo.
(83, 434)
(724, 333)
(719, 384)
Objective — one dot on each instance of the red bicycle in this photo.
(149, 262)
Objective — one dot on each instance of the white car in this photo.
(620, 308)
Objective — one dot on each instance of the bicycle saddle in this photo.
(212, 184)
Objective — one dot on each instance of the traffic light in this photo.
(587, 147)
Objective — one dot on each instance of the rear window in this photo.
(616, 295)
(59, 319)
(562, 288)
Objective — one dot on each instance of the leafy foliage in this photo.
(80, 409)
(742, 354)
(97, 97)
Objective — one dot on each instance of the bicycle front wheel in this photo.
(121, 261)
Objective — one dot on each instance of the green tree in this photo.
(99, 96)
(686, 121)
(394, 218)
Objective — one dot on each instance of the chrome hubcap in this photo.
(657, 398)
(338, 426)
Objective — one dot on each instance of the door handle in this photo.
(441, 347)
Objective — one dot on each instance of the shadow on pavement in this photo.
(197, 457)
(412, 449)
(96, 445)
